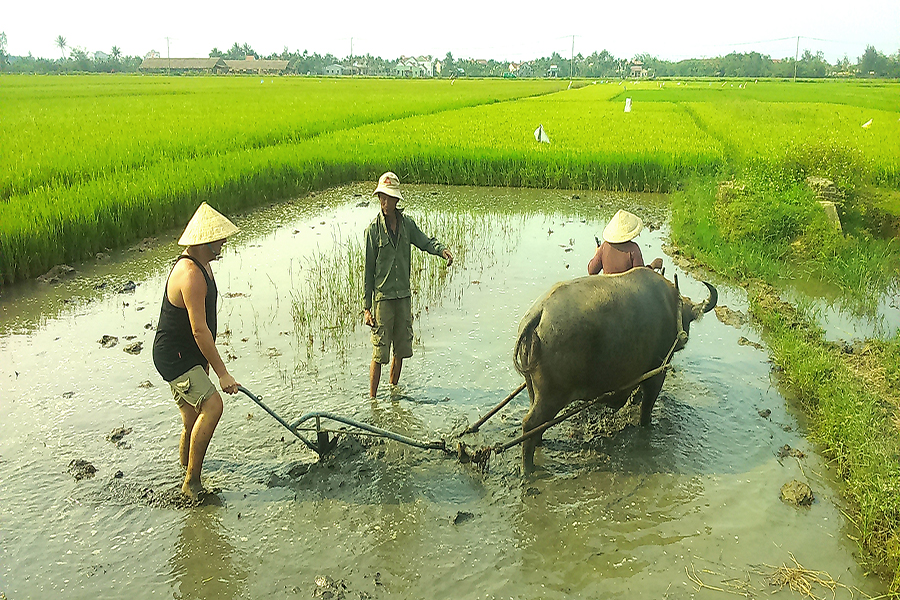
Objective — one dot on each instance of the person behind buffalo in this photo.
(185, 344)
(618, 253)
(386, 301)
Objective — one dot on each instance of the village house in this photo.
(637, 70)
(196, 66)
(256, 66)
(416, 66)
(213, 66)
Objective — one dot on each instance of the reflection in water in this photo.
(876, 315)
(205, 564)
(604, 533)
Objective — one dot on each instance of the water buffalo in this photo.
(597, 334)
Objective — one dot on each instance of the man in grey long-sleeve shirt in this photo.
(388, 310)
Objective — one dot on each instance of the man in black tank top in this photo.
(185, 344)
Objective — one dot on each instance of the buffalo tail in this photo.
(528, 347)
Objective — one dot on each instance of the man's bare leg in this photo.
(374, 378)
(201, 434)
(396, 367)
(188, 418)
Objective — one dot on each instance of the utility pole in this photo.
(796, 56)
(572, 67)
(168, 58)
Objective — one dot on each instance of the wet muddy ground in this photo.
(685, 508)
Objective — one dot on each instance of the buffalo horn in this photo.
(713, 297)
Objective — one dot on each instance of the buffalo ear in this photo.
(693, 310)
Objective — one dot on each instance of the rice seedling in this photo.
(326, 303)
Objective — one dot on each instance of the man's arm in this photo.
(369, 278)
(427, 244)
(596, 264)
(193, 291)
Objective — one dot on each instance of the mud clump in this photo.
(134, 348)
(144, 245)
(461, 517)
(742, 341)
(108, 341)
(117, 437)
(797, 493)
(56, 274)
(346, 468)
(120, 491)
(81, 469)
(327, 588)
(786, 451)
(730, 317)
(602, 421)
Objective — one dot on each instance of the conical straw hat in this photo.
(623, 227)
(207, 225)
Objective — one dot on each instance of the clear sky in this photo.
(515, 31)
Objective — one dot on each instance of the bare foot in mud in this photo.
(200, 496)
(193, 490)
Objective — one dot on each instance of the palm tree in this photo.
(61, 42)
(115, 53)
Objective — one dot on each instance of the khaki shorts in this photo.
(192, 388)
(393, 327)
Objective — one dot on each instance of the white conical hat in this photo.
(623, 227)
(207, 225)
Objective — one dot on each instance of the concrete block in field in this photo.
(831, 212)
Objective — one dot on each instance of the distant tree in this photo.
(216, 53)
(62, 44)
(696, 67)
(600, 65)
(4, 57)
(115, 53)
(80, 59)
(449, 67)
(812, 65)
(873, 63)
(560, 62)
(239, 52)
(843, 65)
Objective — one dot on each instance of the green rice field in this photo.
(98, 162)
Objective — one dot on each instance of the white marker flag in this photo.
(627, 104)
(866, 124)
(541, 135)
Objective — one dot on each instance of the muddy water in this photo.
(616, 509)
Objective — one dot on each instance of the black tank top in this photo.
(175, 351)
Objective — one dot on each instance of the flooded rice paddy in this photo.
(689, 507)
